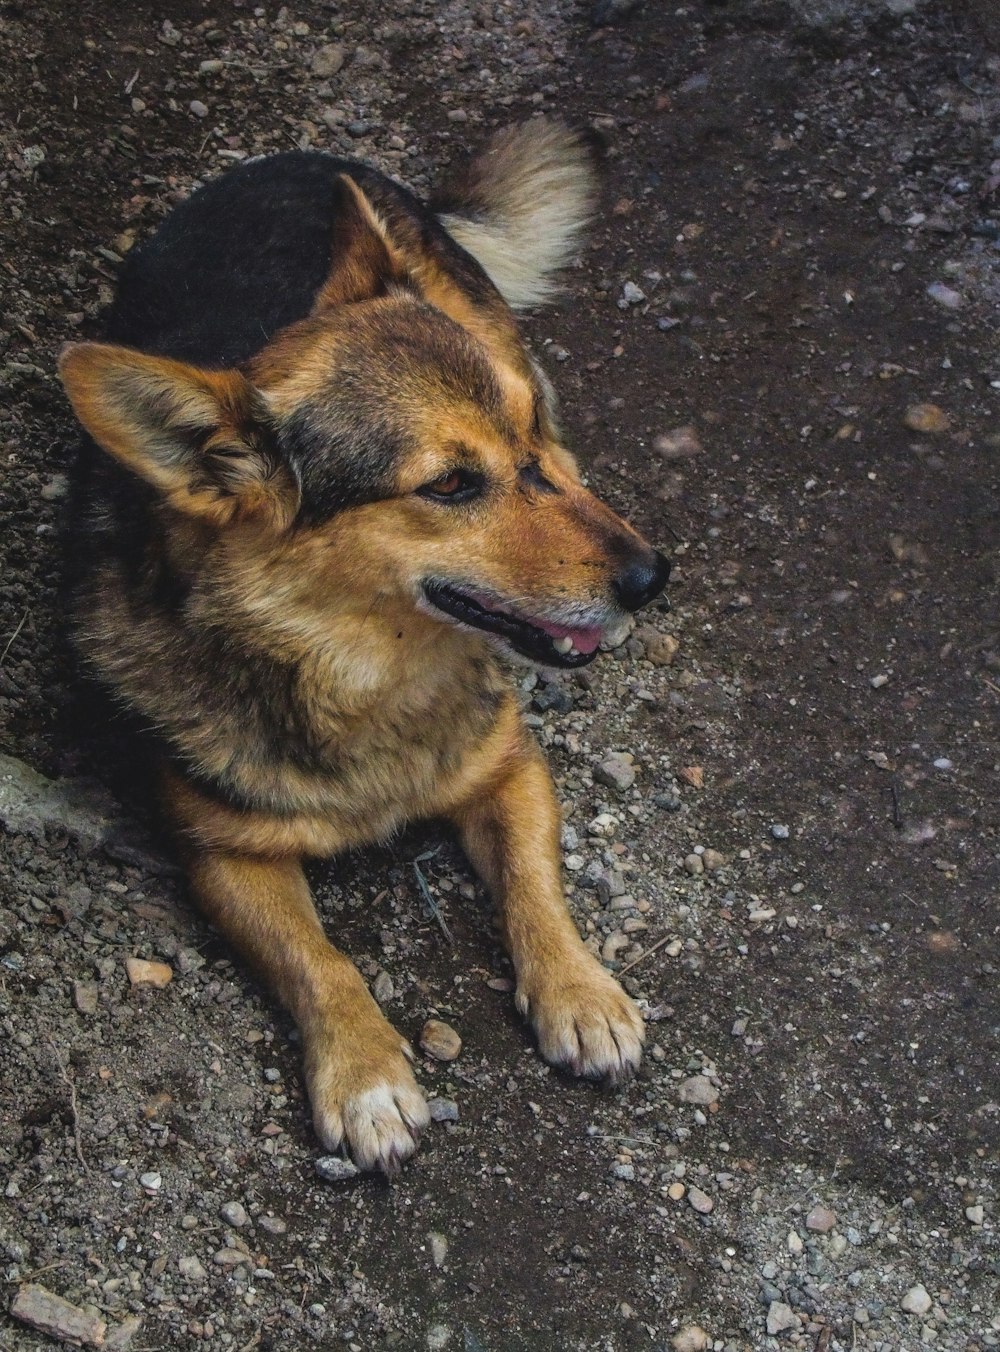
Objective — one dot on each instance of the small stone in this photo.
(698, 1089)
(234, 1214)
(439, 1248)
(616, 772)
(661, 649)
(443, 1109)
(333, 1169)
(693, 775)
(794, 1243)
(458, 115)
(713, 860)
(191, 1268)
(694, 864)
(916, 1301)
(438, 1337)
(945, 295)
(821, 1220)
(691, 1338)
(780, 831)
(616, 941)
(198, 108)
(676, 1191)
(85, 997)
(152, 1181)
(626, 1172)
(632, 294)
(440, 1040)
(50, 1314)
(327, 60)
(274, 1225)
(780, 1318)
(382, 988)
(211, 67)
(926, 418)
(57, 487)
(877, 682)
(680, 443)
(144, 973)
(700, 1201)
(230, 1257)
(975, 1215)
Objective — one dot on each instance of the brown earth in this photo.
(784, 184)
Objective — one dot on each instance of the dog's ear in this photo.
(201, 437)
(365, 262)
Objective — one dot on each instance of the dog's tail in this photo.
(520, 206)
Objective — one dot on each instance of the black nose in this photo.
(643, 579)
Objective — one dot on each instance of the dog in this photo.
(322, 500)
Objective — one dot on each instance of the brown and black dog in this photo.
(329, 498)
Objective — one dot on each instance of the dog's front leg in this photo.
(583, 1019)
(362, 1089)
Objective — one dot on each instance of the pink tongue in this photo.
(584, 640)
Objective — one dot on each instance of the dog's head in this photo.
(393, 454)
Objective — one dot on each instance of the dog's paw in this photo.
(364, 1097)
(584, 1021)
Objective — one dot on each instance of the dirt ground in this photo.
(798, 265)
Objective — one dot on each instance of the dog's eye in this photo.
(458, 485)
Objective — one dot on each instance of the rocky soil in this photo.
(779, 355)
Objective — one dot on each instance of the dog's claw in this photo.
(586, 1024)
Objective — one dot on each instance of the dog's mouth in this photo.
(541, 640)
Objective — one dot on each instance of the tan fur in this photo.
(316, 629)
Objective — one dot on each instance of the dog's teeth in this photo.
(563, 645)
(574, 651)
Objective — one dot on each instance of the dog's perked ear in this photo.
(201, 437)
(364, 261)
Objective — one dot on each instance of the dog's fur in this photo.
(329, 488)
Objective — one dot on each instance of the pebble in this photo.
(230, 1257)
(661, 649)
(691, 1338)
(327, 60)
(713, 860)
(191, 1268)
(676, 1191)
(616, 771)
(694, 864)
(877, 682)
(152, 1181)
(794, 1243)
(780, 831)
(680, 443)
(945, 295)
(700, 1201)
(697, 1089)
(382, 988)
(632, 294)
(144, 973)
(85, 997)
(821, 1219)
(440, 1040)
(333, 1169)
(927, 418)
(613, 945)
(443, 1109)
(975, 1215)
(198, 108)
(626, 1172)
(50, 1314)
(439, 1247)
(693, 775)
(438, 1337)
(916, 1301)
(780, 1318)
(274, 1225)
(234, 1214)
